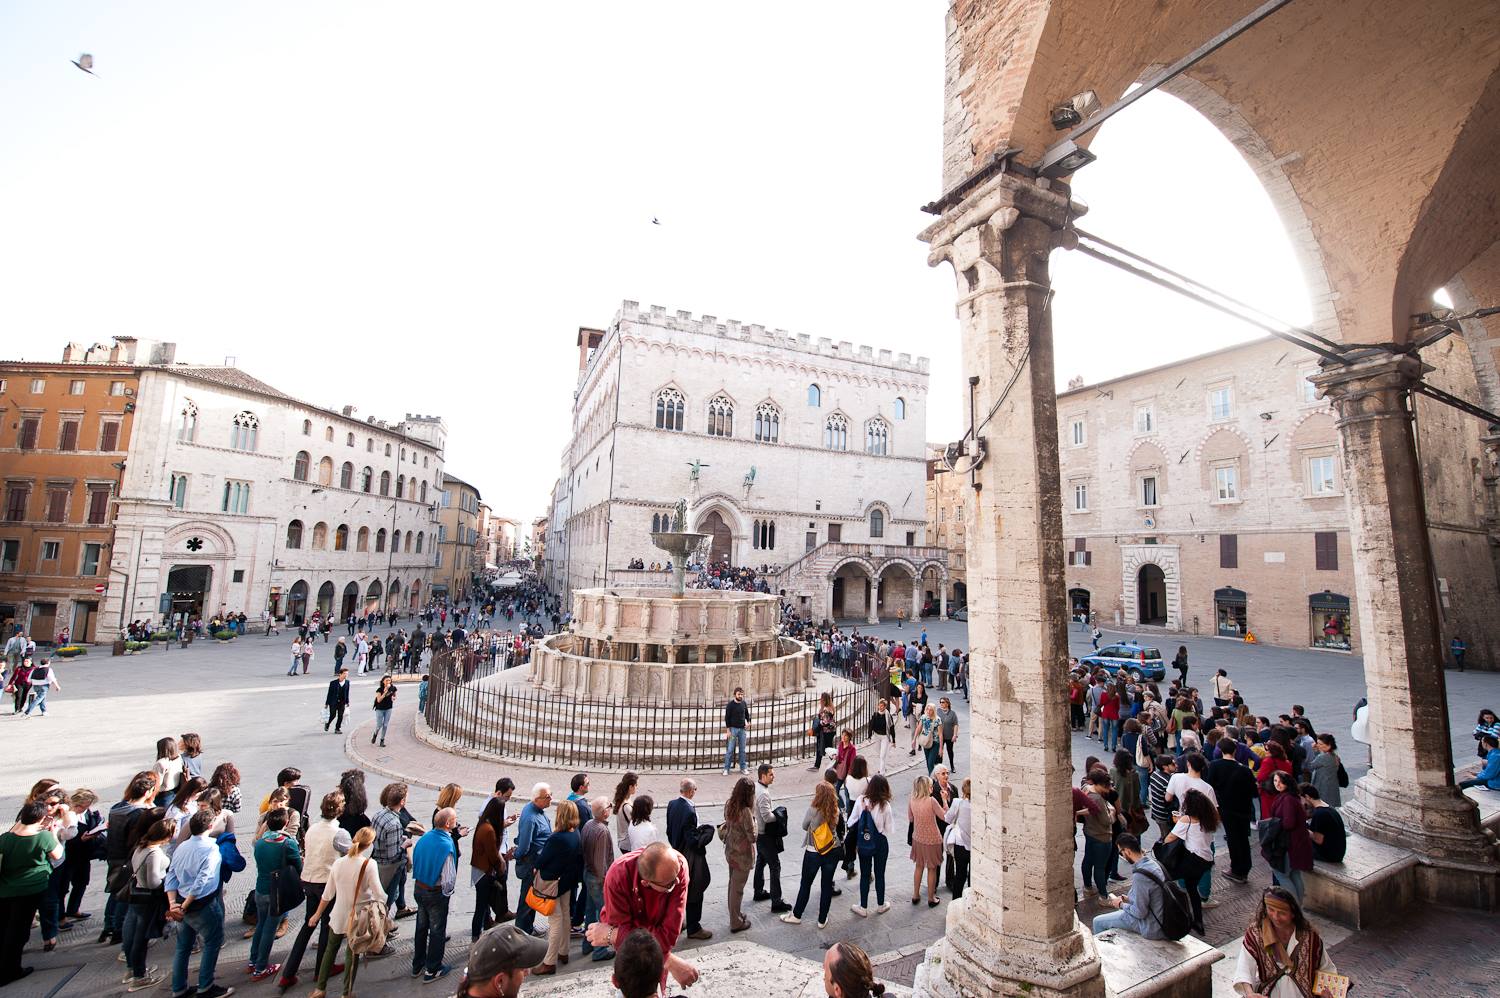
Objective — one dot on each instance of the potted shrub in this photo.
(163, 636)
(224, 635)
(136, 647)
(70, 651)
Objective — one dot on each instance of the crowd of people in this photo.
(725, 576)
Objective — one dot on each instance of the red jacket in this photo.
(629, 903)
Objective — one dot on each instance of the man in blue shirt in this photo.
(434, 868)
(532, 832)
(192, 885)
(1141, 910)
(1489, 776)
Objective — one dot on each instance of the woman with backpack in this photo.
(822, 848)
(870, 819)
(353, 884)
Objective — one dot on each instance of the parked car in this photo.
(1138, 661)
(958, 613)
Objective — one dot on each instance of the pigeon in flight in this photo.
(655, 220)
(85, 62)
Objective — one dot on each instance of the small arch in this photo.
(366, 478)
(341, 537)
(320, 536)
(307, 427)
(400, 486)
(294, 535)
(424, 491)
(380, 540)
(300, 465)
(420, 536)
(408, 542)
(328, 434)
(898, 407)
(387, 450)
(349, 441)
(346, 476)
(395, 542)
(385, 483)
(325, 471)
(814, 396)
(362, 539)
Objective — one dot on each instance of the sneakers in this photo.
(822, 925)
(882, 907)
(151, 979)
(791, 919)
(215, 991)
(271, 969)
(1209, 903)
(860, 910)
(1236, 878)
(442, 971)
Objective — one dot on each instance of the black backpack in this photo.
(1176, 916)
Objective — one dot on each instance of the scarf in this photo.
(1272, 961)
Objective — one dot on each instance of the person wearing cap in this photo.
(499, 961)
(647, 889)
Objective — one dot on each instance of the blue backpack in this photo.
(865, 834)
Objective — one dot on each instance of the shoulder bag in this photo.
(823, 838)
(369, 919)
(286, 887)
(542, 895)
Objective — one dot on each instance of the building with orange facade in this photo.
(64, 431)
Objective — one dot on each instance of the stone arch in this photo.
(1146, 457)
(1165, 558)
(1227, 443)
(218, 543)
(851, 586)
(1314, 433)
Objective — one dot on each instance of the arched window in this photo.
(899, 407)
(387, 450)
(369, 445)
(763, 535)
(767, 423)
(814, 396)
(395, 542)
(424, 491)
(877, 437)
(362, 539)
(877, 523)
(385, 483)
(669, 408)
(328, 434)
(325, 471)
(341, 537)
(380, 540)
(294, 534)
(244, 431)
(656, 523)
(836, 432)
(720, 417)
(346, 476)
(400, 486)
(366, 477)
(300, 465)
(408, 542)
(320, 536)
(350, 441)
(188, 432)
(420, 535)
(307, 427)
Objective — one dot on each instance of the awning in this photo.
(1326, 600)
(1230, 595)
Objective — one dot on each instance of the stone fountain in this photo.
(678, 543)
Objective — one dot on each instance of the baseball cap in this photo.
(504, 948)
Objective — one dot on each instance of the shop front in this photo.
(1230, 617)
(1329, 613)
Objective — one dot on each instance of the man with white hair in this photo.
(682, 835)
(532, 832)
(598, 854)
(434, 869)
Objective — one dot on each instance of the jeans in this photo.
(51, 910)
(138, 921)
(265, 932)
(431, 931)
(489, 902)
(933, 754)
(1109, 920)
(593, 906)
(948, 747)
(1292, 881)
(206, 921)
(876, 860)
(737, 742)
(382, 722)
(293, 962)
(525, 913)
(1096, 864)
(1110, 733)
(395, 887)
(814, 865)
(38, 699)
(767, 860)
(296, 661)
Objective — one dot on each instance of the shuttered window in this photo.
(15, 503)
(30, 427)
(68, 439)
(1326, 551)
(98, 505)
(1229, 551)
(57, 505)
(109, 437)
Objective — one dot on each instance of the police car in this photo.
(1138, 661)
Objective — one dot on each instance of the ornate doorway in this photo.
(721, 544)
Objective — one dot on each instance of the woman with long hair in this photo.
(923, 813)
(847, 973)
(226, 780)
(824, 726)
(449, 796)
(487, 859)
(185, 801)
(561, 860)
(1196, 824)
(356, 801)
(1281, 953)
(870, 819)
(147, 848)
(641, 832)
(739, 848)
(1276, 761)
(1292, 852)
(918, 712)
(352, 880)
(385, 701)
(624, 795)
(1488, 724)
(168, 769)
(822, 848)
(929, 737)
(30, 849)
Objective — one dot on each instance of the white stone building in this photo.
(810, 458)
(238, 498)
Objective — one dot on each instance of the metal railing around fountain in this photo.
(534, 726)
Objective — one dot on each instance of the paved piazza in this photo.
(104, 722)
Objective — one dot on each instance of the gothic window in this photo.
(767, 423)
(877, 437)
(341, 537)
(763, 535)
(346, 476)
(814, 396)
(395, 542)
(188, 432)
(424, 491)
(244, 431)
(294, 534)
(720, 417)
(419, 541)
(366, 477)
(320, 536)
(385, 483)
(362, 539)
(656, 523)
(899, 408)
(400, 486)
(836, 432)
(669, 407)
(325, 471)
(877, 523)
(380, 540)
(300, 465)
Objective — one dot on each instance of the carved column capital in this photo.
(1371, 388)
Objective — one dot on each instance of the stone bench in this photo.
(1489, 807)
(1135, 967)
(1373, 883)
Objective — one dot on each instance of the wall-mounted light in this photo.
(1065, 158)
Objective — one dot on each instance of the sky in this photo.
(413, 209)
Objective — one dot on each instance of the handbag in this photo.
(927, 737)
(841, 770)
(369, 920)
(823, 838)
(1170, 856)
(286, 889)
(537, 896)
(1136, 822)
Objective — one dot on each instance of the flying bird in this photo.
(655, 220)
(85, 62)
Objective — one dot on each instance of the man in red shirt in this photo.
(647, 889)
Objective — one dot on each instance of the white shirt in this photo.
(1181, 783)
(855, 787)
(880, 814)
(642, 835)
(326, 841)
(342, 877)
(1198, 842)
(959, 817)
(1246, 973)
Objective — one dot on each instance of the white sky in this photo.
(412, 209)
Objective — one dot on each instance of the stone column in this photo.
(1014, 932)
(943, 597)
(872, 605)
(916, 600)
(1409, 797)
(829, 612)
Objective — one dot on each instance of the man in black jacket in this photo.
(736, 737)
(337, 701)
(682, 835)
(1237, 790)
(768, 836)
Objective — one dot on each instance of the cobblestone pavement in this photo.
(103, 724)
